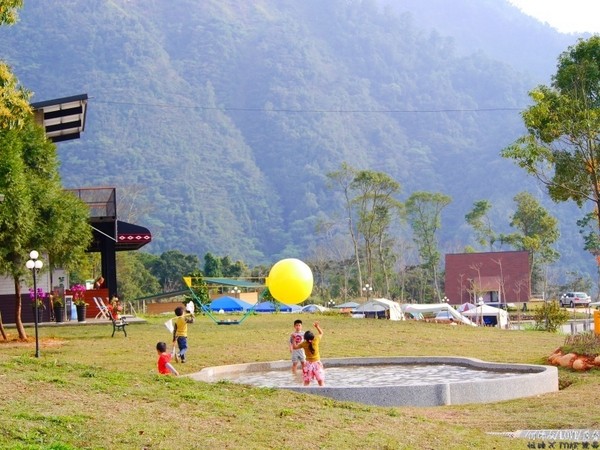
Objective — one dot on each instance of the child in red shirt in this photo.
(164, 360)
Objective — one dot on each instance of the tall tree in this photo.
(562, 147)
(424, 210)
(36, 213)
(538, 231)
(481, 223)
(343, 179)
(375, 207)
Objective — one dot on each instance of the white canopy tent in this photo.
(382, 304)
(488, 315)
(435, 308)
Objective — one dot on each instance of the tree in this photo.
(424, 210)
(562, 147)
(370, 205)
(480, 220)
(14, 99)
(8, 11)
(343, 179)
(213, 266)
(134, 279)
(36, 213)
(171, 267)
(538, 231)
(375, 205)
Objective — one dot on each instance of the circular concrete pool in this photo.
(400, 381)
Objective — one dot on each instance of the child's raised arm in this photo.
(318, 327)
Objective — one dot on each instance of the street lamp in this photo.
(367, 290)
(34, 264)
(331, 304)
(235, 291)
(445, 299)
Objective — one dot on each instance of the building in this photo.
(492, 277)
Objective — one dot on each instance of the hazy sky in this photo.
(567, 16)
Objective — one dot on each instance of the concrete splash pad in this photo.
(498, 381)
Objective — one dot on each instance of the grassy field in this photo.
(88, 390)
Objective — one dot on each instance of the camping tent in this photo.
(313, 308)
(419, 309)
(348, 306)
(381, 307)
(269, 307)
(229, 304)
(465, 307)
(489, 315)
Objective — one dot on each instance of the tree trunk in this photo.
(18, 320)
(2, 328)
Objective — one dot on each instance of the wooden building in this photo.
(492, 277)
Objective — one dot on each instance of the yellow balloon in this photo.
(290, 281)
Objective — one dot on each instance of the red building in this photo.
(492, 276)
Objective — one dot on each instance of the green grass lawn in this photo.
(88, 390)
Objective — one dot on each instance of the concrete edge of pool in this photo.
(533, 380)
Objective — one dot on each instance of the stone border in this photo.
(534, 380)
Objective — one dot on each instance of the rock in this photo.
(566, 360)
(580, 364)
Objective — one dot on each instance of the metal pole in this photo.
(35, 319)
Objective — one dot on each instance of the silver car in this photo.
(572, 299)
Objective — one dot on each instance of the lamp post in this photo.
(367, 290)
(34, 264)
(235, 291)
(331, 304)
(445, 299)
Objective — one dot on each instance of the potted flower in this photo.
(40, 302)
(58, 305)
(78, 292)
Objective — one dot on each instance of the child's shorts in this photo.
(313, 370)
(298, 356)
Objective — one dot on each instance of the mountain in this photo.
(219, 120)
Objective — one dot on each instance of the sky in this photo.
(567, 16)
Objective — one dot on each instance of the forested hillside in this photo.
(219, 120)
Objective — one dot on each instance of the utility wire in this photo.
(326, 111)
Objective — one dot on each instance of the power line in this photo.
(313, 111)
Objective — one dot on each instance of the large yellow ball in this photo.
(290, 281)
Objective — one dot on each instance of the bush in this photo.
(583, 344)
(550, 316)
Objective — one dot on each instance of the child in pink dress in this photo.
(313, 368)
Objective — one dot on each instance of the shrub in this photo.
(550, 316)
(583, 344)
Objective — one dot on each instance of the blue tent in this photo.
(229, 304)
(274, 306)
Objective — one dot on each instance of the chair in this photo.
(118, 325)
(102, 309)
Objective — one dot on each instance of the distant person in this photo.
(99, 283)
(164, 360)
(114, 308)
(297, 337)
(180, 330)
(313, 368)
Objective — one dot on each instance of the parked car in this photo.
(572, 299)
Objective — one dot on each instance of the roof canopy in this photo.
(62, 118)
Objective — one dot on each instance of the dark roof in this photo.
(131, 236)
(62, 118)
